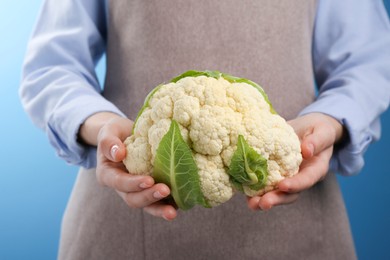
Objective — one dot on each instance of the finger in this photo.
(159, 209)
(146, 197)
(275, 198)
(122, 181)
(253, 202)
(311, 172)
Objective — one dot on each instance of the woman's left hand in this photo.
(318, 133)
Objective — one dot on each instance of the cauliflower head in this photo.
(208, 134)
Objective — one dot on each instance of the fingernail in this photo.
(169, 216)
(158, 195)
(265, 208)
(114, 150)
(285, 186)
(144, 185)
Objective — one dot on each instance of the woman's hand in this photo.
(108, 131)
(318, 133)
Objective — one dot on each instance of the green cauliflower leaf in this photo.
(175, 166)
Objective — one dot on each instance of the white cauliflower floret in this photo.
(244, 97)
(138, 156)
(185, 109)
(162, 109)
(156, 133)
(215, 92)
(215, 182)
(211, 114)
(161, 92)
(210, 131)
(144, 123)
(192, 88)
(287, 150)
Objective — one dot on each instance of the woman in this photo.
(279, 44)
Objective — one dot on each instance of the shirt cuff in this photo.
(348, 158)
(64, 125)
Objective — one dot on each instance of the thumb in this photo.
(112, 148)
(320, 138)
(117, 152)
(110, 139)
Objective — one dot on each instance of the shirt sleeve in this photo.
(351, 56)
(59, 87)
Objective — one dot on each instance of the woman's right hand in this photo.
(137, 191)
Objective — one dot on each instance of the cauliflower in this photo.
(209, 134)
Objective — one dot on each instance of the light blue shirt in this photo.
(351, 57)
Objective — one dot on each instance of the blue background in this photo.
(35, 184)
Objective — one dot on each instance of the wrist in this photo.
(89, 130)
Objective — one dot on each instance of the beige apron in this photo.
(149, 42)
